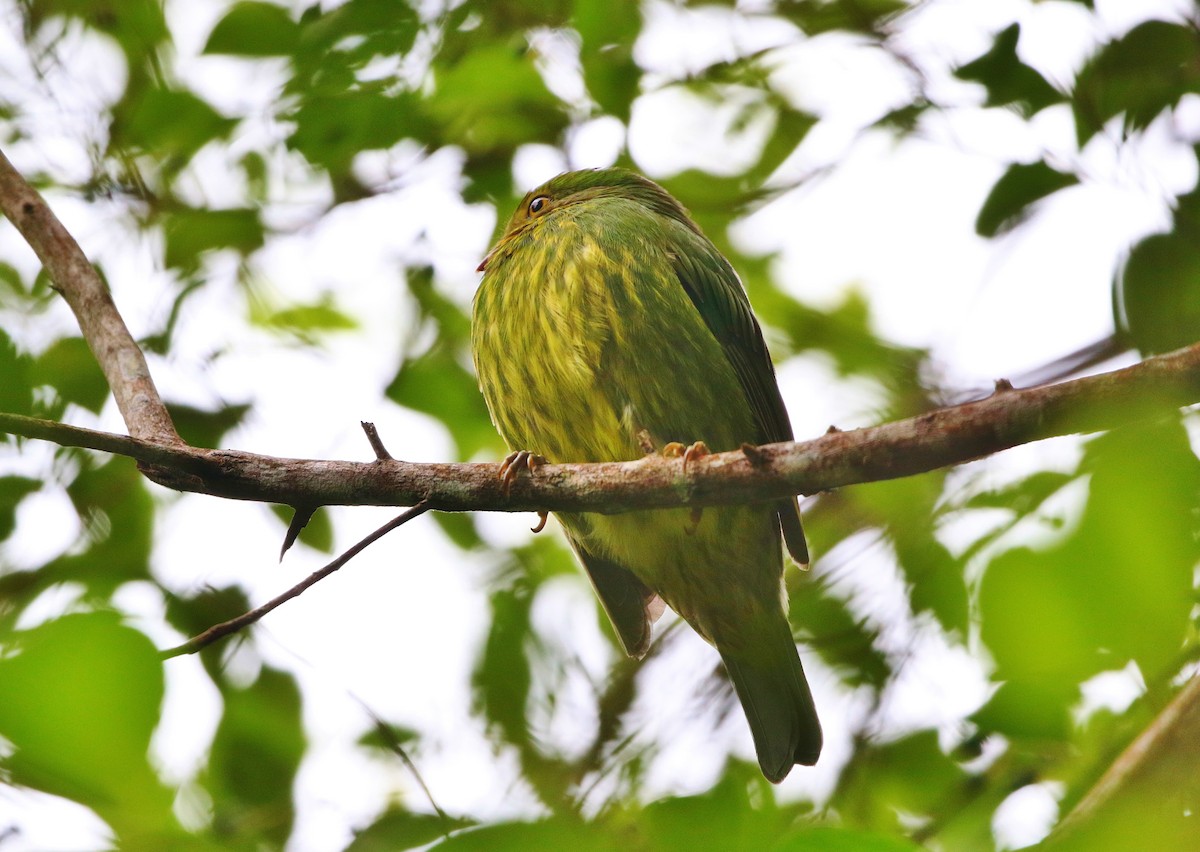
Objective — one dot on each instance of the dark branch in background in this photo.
(75, 278)
(225, 628)
(1157, 387)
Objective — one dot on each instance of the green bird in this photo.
(606, 325)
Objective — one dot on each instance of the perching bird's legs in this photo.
(698, 450)
(511, 467)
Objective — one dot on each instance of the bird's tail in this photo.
(778, 704)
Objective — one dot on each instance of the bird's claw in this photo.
(676, 450)
(541, 524)
(698, 450)
(514, 463)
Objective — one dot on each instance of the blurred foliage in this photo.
(1048, 597)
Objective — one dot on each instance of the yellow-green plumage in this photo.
(605, 318)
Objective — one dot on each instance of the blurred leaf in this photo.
(820, 16)
(254, 758)
(254, 29)
(138, 26)
(828, 839)
(1007, 79)
(70, 368)
(1141, 74)
(332, 128)
(202, 428)
(493, 98)
(79, 699)
(174, 124)
(876, 788)
(191, 231)
(738, 813)
(1118, 587)
(398, 829)
(349, 36)
(558, 832)
(844, 641)
(609, 72)
(307, 322)
(16, 368)
(13, 489)
(1158, 292)
(437, 384)
(1030, 708)
(118, 516)
(460, 528)
(1007, 205)
(1024, 495)
(502, 677)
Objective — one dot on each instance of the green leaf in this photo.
(1141, 74)
(317, 533)
(606, 55)
(13, 489)
(1007, 205)
(1007, 79)
(1158, 291)
(331, 129)
(169, 122)
(117, 511)
(557, 832)
(399, 829)
(1117, 587)
(254, 29)
(493, 99)
(192, 231)
(16, 390)
(138, 26)
(437, 384)
(829, 839)
(79, 700)
(305, 322)
(502, 678)
(254, 759)
(70, 368)
(876, 787)
(821, 16)
(202, 428)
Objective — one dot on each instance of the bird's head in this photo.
(571, 188)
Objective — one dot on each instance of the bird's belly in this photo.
(714, 571)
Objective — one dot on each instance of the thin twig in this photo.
(376, 442)
(393, 744)
(225, 628)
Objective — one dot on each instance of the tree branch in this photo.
(1156, 387)
(76, 279)
(233, 625)
(1148, 787)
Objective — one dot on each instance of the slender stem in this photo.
(233, 625)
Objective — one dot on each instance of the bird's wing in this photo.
(718, 295)
(631, 605)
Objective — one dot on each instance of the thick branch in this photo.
(77, 280)
(1156, 387)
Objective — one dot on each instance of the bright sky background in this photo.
(398, 628)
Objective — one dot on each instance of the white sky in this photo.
(399, 627)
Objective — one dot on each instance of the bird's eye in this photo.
(538, 204)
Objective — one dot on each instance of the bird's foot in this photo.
(541, 524)
(676, 450)
(517, 461)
